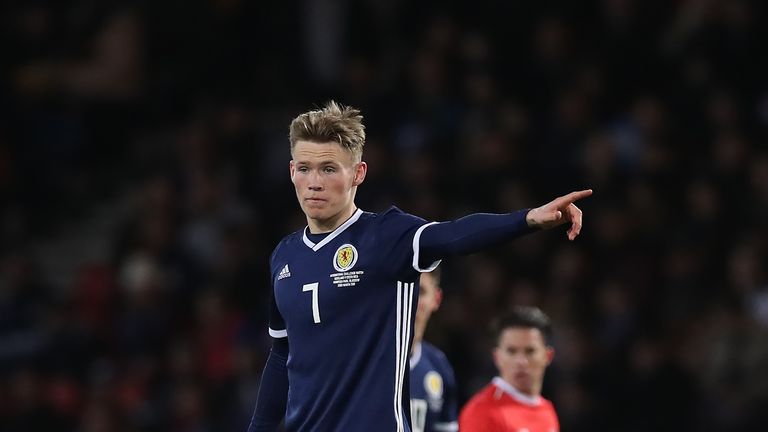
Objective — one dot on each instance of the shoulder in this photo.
(432, 350)
(287, 243)
(547, 413)
(477, 414)
(391, 224)
(290, 240)
(547, 404)
(434, 353)
(482, 398)
(395, 215)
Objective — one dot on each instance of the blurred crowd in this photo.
(144, 182)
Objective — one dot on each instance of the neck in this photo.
(418, 332)
(533, 392)
(507, 387)
(318, 226)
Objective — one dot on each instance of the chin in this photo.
(523, 386)
(313, 211)
(317, 214)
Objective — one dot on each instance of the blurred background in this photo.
(144, 182)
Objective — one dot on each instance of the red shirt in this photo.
(500, 407)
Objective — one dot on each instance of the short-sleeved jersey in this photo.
(499, 407)
(346, 305)
(433, 391)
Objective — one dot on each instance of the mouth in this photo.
(314, 201)
(522, 376)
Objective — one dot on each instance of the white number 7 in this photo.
(315, 308)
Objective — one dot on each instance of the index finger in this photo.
(574, 196)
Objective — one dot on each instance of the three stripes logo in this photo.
(284, 273)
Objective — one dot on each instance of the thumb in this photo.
(551, 216)
(541, 217)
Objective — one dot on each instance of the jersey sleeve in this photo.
(273, 390)
(470, 234)
(277, 327)
(399, 234)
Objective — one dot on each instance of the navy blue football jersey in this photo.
(434, 406)
(346, 305)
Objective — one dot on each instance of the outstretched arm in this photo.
(479, 231)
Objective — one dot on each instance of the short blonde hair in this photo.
(332, 123)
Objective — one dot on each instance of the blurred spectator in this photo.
(142, 187)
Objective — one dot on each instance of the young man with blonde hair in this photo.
(345, 287)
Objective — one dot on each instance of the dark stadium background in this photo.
(144, 182)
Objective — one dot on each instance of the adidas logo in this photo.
(284, 273)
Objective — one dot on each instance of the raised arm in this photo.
(479, 231)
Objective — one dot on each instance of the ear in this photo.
(550, 355)
(360, 170)
(292, 169)
(495, 355)
(438, 298)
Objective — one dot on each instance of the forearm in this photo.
(470, 234)
(273, 391)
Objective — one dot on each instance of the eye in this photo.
(302, 169)
(329, 170)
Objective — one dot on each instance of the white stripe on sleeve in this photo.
(416, 247)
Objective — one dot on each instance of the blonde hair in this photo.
(332, 123)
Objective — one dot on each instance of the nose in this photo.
(521, 359)
(315, 184)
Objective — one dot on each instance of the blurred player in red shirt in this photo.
(512, 401)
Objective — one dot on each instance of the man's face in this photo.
(429, 298)
(325, 176)
(522, 357)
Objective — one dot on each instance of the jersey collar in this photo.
(515, 393)
(332, 235)
(415, 356)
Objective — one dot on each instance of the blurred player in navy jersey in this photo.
(434, 407)
(344, 288)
